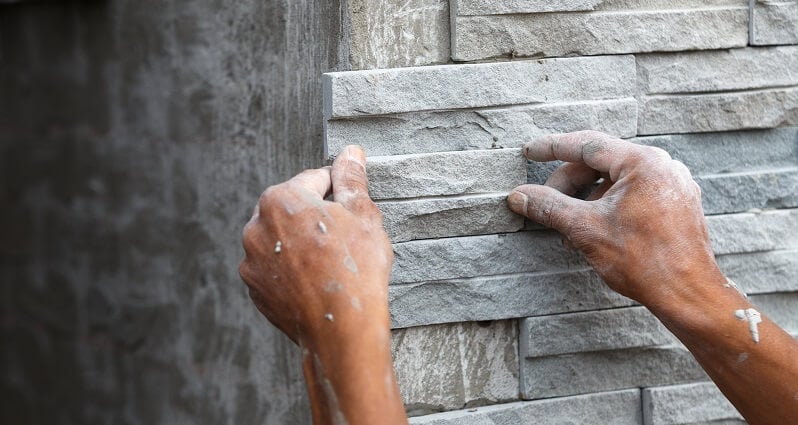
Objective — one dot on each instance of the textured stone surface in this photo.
(562, 34)
(767, 108)
(418, 132)
(730, 152)
(388, 91)
(617, 408)
(135, 137)
(536, 251)
(687, 404)
(397, 33)
(540, 294)
(720, 70)
(601, 330)
(446, 217)
(781, 308)
(583, 373)
(774, 22)
(752, 232)
(500, 297)
(761, 272)
(447, 367)
(470, 256)
(737, 192)
(491, 7)
(445, 173)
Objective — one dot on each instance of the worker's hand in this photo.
(642, 229)
(314, 265)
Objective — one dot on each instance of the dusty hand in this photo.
(642, 229)
(310, 262)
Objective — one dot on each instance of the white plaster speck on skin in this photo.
(350, 264)
(730, 284)
(742, 357)
(323, 227)
(356, 303)
(332, 287)
(329, 317)
(278, 247)
(753, 318)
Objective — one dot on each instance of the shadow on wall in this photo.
(135, 136)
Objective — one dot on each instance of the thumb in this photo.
(547, 206)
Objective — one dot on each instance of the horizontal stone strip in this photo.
(486, 128)
(447, 367)
(584, 373)
(597, 33)
(730, 152)
(447, 217)
(618, 408)
(602, 330)
(446, 87)
(737, 192)
(687, 404)
(540, 251)
(757, 109)
(762, 272)
(717, 70)
(774, 22)
(445, 173)
(492, 7)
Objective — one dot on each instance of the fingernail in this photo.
(517, 202)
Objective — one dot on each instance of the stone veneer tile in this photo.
(688, 404)
(774, 22)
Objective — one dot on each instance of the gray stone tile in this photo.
(687, 404)
(774, 22)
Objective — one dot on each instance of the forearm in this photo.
(754, 365)
(350, 375)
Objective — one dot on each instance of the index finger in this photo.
(597, 150)
(350, 184)
(316, 181)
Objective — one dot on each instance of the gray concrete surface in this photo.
(135, 137)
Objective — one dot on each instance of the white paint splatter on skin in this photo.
(278, 247)
(333, 287)
(730, 284)
(753, 318)
(742, 357)
(323, 227)
(356, 303)
(329, 317)
(350, 264)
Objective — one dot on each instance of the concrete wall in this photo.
(135, 137)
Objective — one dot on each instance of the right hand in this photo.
(642, 229)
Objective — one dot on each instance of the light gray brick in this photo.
(729, 152)
(540, 251)
(561, 34)
(445, 217)
(755, 231)
(762, 272)
(396, 33)
(485, 255)
(774, 22)
(445, 173)
(688, 404)
(736, 192)
(617, 408)
(582, 373)
(446, 87)
(781, 308)
(500, 297)
(602, 330)
(446, 367)
(568, 291)
(418, 132)
(717, 70)
(767, 108)
(492, 7)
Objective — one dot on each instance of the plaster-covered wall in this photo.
(135, 137)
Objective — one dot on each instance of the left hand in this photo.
(315, 266)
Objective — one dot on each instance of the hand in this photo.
(642, 229)
(316, 266)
